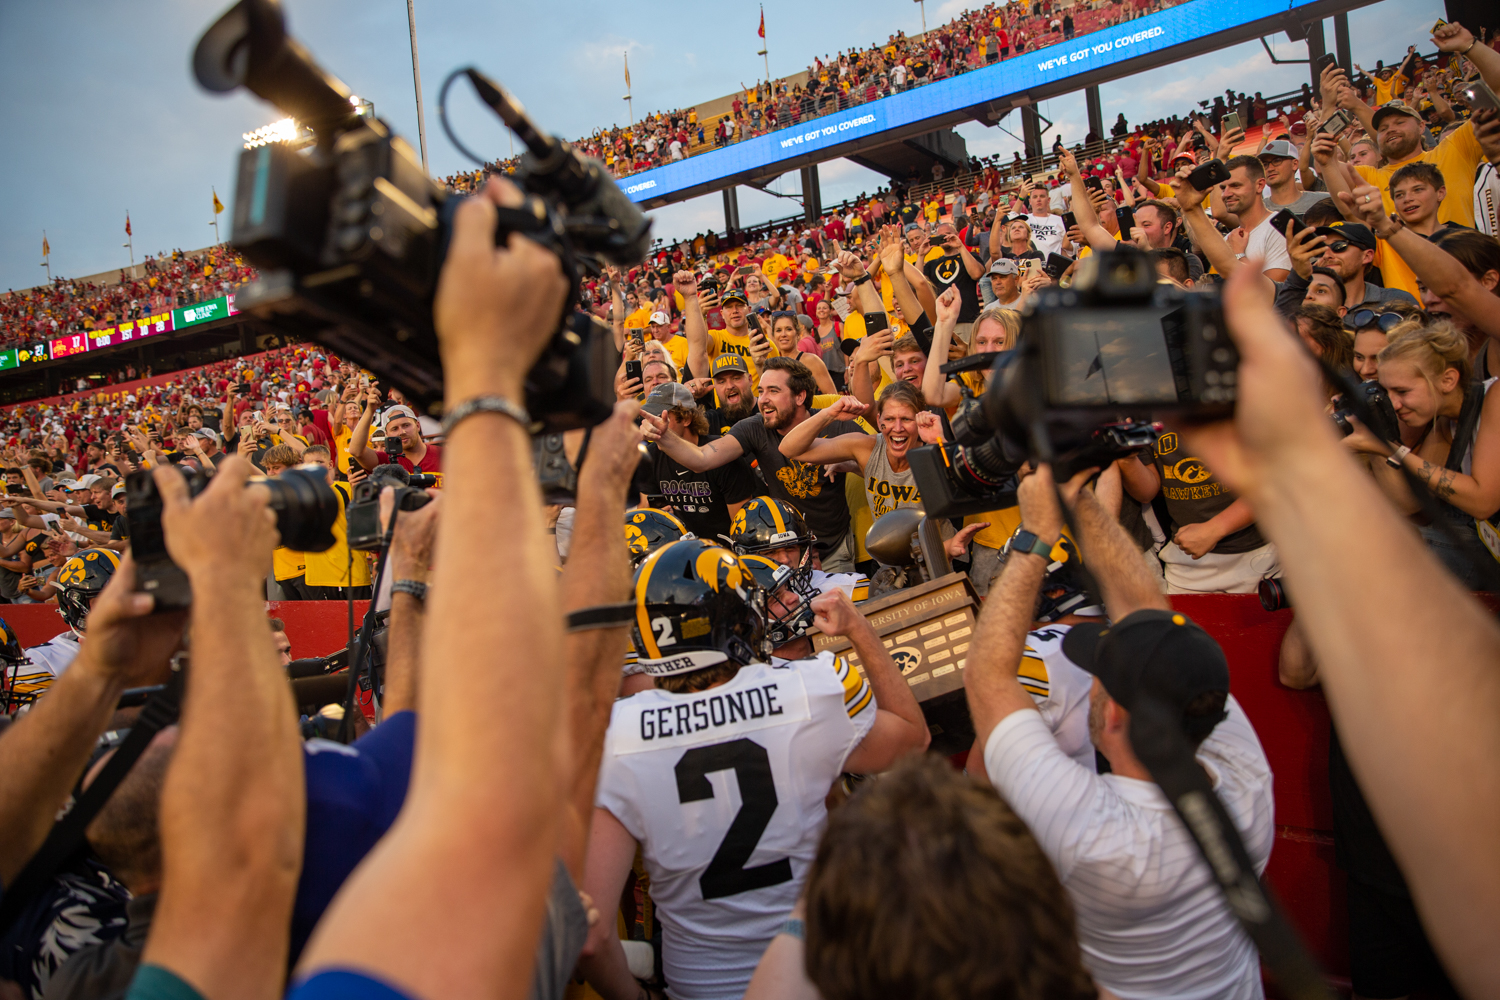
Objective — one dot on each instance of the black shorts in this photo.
(1389, 954)
(295, 589)
(339, 593)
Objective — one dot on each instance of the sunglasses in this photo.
(1338, 246)
(1387, 321)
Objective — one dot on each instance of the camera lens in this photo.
(306, 509)
(1273, 596)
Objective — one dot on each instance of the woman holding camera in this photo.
(1450, 440)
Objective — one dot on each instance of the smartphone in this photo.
(1057, 265)
(1205, 176)
(1285, 218)
(1125, 216)
(1093, 182)
(1323, 62)
(638, 335)
(52, 521)
(1336, 123)
(258, 415)
(1069, 220)
(633, 371)
(1480, 97)
(1230, 122)
(243, 388)
(747, 269)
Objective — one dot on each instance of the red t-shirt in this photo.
(431, 463)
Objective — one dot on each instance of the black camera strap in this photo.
(67, 834)
(1157, 739)
(601, 616)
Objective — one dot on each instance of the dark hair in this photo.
(1474, 250)
(1168, 212)
(799, 378)
(277, 625)
(901, 391)
(1176, 261)
(926, 884)
(1418, 171)
(1253, 167)
(1327, 273)
(1335, 345)
(695, 418)
(698, 680)
(1322, 212)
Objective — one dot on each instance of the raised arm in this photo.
(694, 326)
(802, 442)
(698, 458)
(936, 388)
(1095, 235)
(233, 803)
(359, 440)
(1206, 235)
(1454, 37)
(900, 727)
(1125, 582)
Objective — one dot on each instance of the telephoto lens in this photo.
(1273, 596)
(306, 508)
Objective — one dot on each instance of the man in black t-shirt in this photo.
(956, 268)
(786, 390)
(705, 502)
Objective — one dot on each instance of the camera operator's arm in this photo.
(594, 656)
(936, 388)
(900, 727)
(359, 440)
(694, 325)
(233, 802)
(1124, 581)
(1429, 762)
(1094, 234)
(411, 559)
(471, 830)
(43, 753)
(1439, 271)
(698, 458)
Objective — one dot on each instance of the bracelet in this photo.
(1471, 46)
(793, 927)
(415, 588)
(1395, 457)
(862, 279)
(486, 404)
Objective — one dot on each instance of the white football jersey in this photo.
(856, 585)
(1060, 689)
(724, 790)
(48, 661)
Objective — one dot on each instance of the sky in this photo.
(103, 116)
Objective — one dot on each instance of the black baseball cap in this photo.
(735, 294)
(1163, 653)
(1353, 232)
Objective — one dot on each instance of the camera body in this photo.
(1095, 366)
(305, 506)
(1388, 425)
(365, 534)
(350, 234)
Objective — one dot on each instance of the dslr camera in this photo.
(1373, 394)
(1094, 367)
(305, 505)
(365, 533)
(350, 233)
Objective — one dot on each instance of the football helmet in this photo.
(80, 580)
(647, 530)
(1063, 591)
(10, 647)
(789, 595)
(765, 524)
(697, 605)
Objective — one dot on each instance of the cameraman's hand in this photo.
(835, 614)
(227, 532)
(614, 454)
(411, 544)
(126, 643)
(496, 306)
(1040, 513)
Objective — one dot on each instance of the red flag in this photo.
(127, 223)
(762, 31)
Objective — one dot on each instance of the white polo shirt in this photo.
(1151, 919)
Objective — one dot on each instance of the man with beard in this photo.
(1244, 196)
(731, 377)
(705, 345)
(786, 392)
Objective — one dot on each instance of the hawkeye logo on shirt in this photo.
(801, 479)
(946, 270)
(1189, 471)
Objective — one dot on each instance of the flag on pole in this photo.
(762, 31)
(127, 223)
(218, 205)
(46, 249)
(627, 71)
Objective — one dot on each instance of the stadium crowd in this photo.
(681, 763)
(159, 284)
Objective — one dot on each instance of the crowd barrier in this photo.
(1293, 727)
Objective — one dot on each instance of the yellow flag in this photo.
(627, 70)
(46, 248)
(218, 205)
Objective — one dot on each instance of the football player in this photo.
(646, 530)
(718, 773)
(79, 581)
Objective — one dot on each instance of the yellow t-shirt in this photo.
(331, 568)
(1457, 157)
(1387, 90)
(1395, 272)
(341, 457)
(677, 347)
(288, 563)
(640, 318)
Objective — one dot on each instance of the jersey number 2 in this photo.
(726, 874)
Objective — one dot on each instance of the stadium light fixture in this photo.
(285, 130)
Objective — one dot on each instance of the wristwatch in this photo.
(1024, 541)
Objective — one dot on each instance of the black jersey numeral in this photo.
(726, 874)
